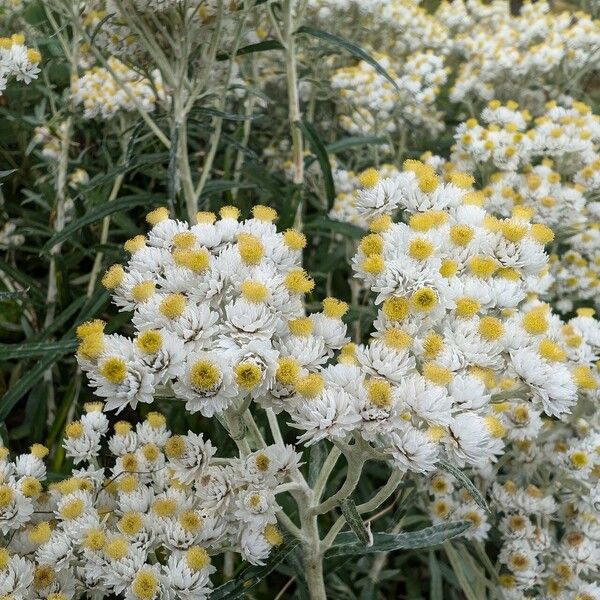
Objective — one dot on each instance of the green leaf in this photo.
(354, 520)
(27, 282)
(352, 48)
(98, 213)
(459, 571)
(251, 576)
(99, 27)
(7, 173)
(220, 185)
(318, 148)
(436, 591)
(14, 351)
(317, 456)
(251, 48)
(347, 543)
(136, 161)
(354, 142)
(23, 385)
(465, 482)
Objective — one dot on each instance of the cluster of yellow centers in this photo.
(18, 39)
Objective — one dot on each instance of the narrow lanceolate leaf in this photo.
(349, 544)
(465, 482)
(7, 173)
(320, 152)
(354, 520)
(350, 47)
(251, 48)
(250, 577)
(355, 142)
(15, 351)
(222, 185)
(98, 213)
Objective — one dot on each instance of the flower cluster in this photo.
(406, 26)
(17, 61)
(143, 528)
(544, 500)
(347, 184)
(218, 315)
(533, 55)
(550, 165)
(458, 323)
(379, 106)
(104, 92)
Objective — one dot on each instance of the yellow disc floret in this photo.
(205, 375)
(490, 328)
(294, 240)
(254, 291)
(424, 300)
(114, 369)
(173, 305)
(369, 178)
(299, 282)
(302, 326)
(264, 213)
(288, 370)
(197, 558)
(483, 266)
(113, 277)
(371, 244)
(248, 375)
(310, 386)
(149, 341)
(420, 248)
(396, 308)
(157, 215)
(145, 585)
(175, 446)
(334, 308)
(461, 235)
(250, 248)
(380, 393)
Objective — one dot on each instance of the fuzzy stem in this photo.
(355, 466)
(328, 465)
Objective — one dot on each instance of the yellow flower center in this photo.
(380, 393)
(248, 375)
(149, 341)
(424, 300)
(197, 558)
(288, 370)
(173, 305)
(114, 369)
(204, 375)
(145, 585)
(310, 386)
(254, 291)
(250, 248)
